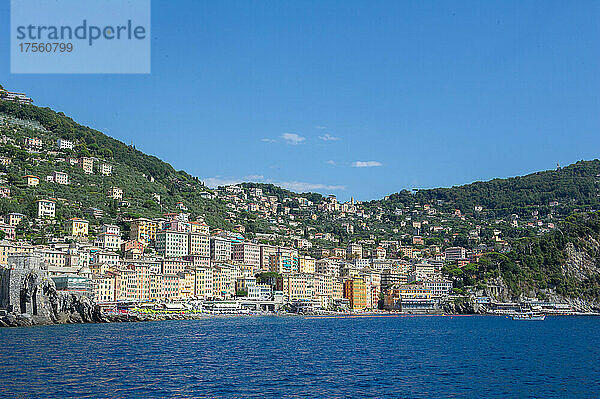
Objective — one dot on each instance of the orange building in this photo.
(355, 291)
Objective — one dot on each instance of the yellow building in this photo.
(307, 264)
(355, 291)
(87, 164)
(199, 227)
(198, 244)
(31, 180)
(297, 286)
(186, 284)
(338, 289)
(104, 288)
(143, 230)
(204, 282)
(407, 292)
(7, 249)
(77, 227)
(156, 287)
(223, 281)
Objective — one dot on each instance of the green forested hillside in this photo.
(565, 261)
(139, 175)
(574, 186)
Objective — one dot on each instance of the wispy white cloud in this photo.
(328, 137)
(292, 138)
(267, 140)
(254, 178)
(366, 164)
(331, 162)
(320, 127)
(217, 181)
(298, 186)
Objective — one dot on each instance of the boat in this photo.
(528, 316)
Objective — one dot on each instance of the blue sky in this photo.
(354, 98)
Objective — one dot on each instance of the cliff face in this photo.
(580, 263)
(59, 307)
(29, 297)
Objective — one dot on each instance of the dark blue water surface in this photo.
(297, 357)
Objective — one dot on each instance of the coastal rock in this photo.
(24, 319)
(10, 320)
(79, 307)
(461, 305)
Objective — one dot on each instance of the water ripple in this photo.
(293, 357)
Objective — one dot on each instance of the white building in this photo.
(60, 177)
(172, 243)
(438, 287)
(220, 249)
(110, 229)
(105, 169)
(246, 253)
(455, 253)
(109, 241)
(64, 144)
(46, 209)
(115, 193)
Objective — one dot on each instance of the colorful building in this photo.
(355, 291)
(77, 227)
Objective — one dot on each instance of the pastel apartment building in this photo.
(172, 243)
(355, 291)
(306, 264)
(87, 164)
(246, 253)
(199, 227)
(31, 180)
(198, 244)
(284, 261)
(77, 227)
(266, 251)
(33, 142)
(220, 249)
(109, 237)
(143, 230)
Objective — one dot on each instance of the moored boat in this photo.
(528, 316)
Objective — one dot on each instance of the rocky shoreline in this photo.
(27, 320)
(96, 317)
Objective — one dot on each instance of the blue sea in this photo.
(273, 357)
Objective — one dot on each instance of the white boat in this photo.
(528, 316)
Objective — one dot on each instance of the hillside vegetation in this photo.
(574, 186)
(141, 176)
(564, 262)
